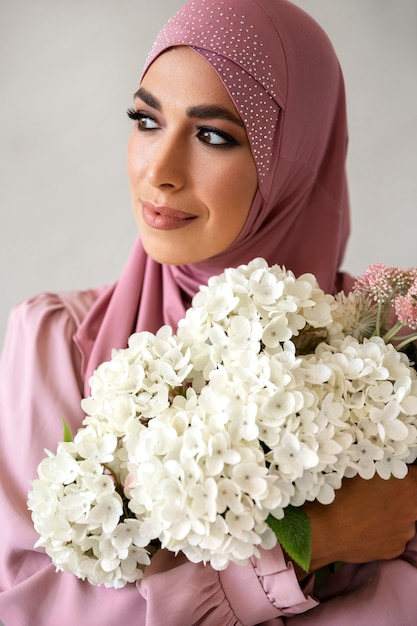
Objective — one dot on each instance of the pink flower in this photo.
(375, 283)
(404, 280)
(394, 294)
(383, 283)
(406, 307)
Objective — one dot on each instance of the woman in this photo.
(238, 150)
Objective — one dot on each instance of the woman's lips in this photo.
(165, 218)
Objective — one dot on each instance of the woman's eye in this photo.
(215, 137)
(144, 122)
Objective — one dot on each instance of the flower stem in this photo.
(406, 339)
(377, 331)
(390, 334)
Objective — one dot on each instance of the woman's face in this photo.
(191, 171)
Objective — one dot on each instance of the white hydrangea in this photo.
(78, 513)
(192, 440)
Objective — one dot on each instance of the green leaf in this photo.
(294, 534)
(67, 432)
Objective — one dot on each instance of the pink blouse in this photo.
(40, 385)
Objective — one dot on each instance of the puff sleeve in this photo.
(263, 590)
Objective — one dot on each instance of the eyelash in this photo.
(137, 116)
(229, 141)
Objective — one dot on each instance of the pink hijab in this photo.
(284, 78)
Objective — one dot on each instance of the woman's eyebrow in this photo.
(212, 111)
(148, 99)
(203, 112)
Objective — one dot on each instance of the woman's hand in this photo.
(369, 520)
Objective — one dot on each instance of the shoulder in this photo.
(40, 365)
(48, 310)
(42, 327)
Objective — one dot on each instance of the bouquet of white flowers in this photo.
(208, 440)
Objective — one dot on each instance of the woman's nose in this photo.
(168, 163)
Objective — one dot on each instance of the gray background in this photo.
(68, 71)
